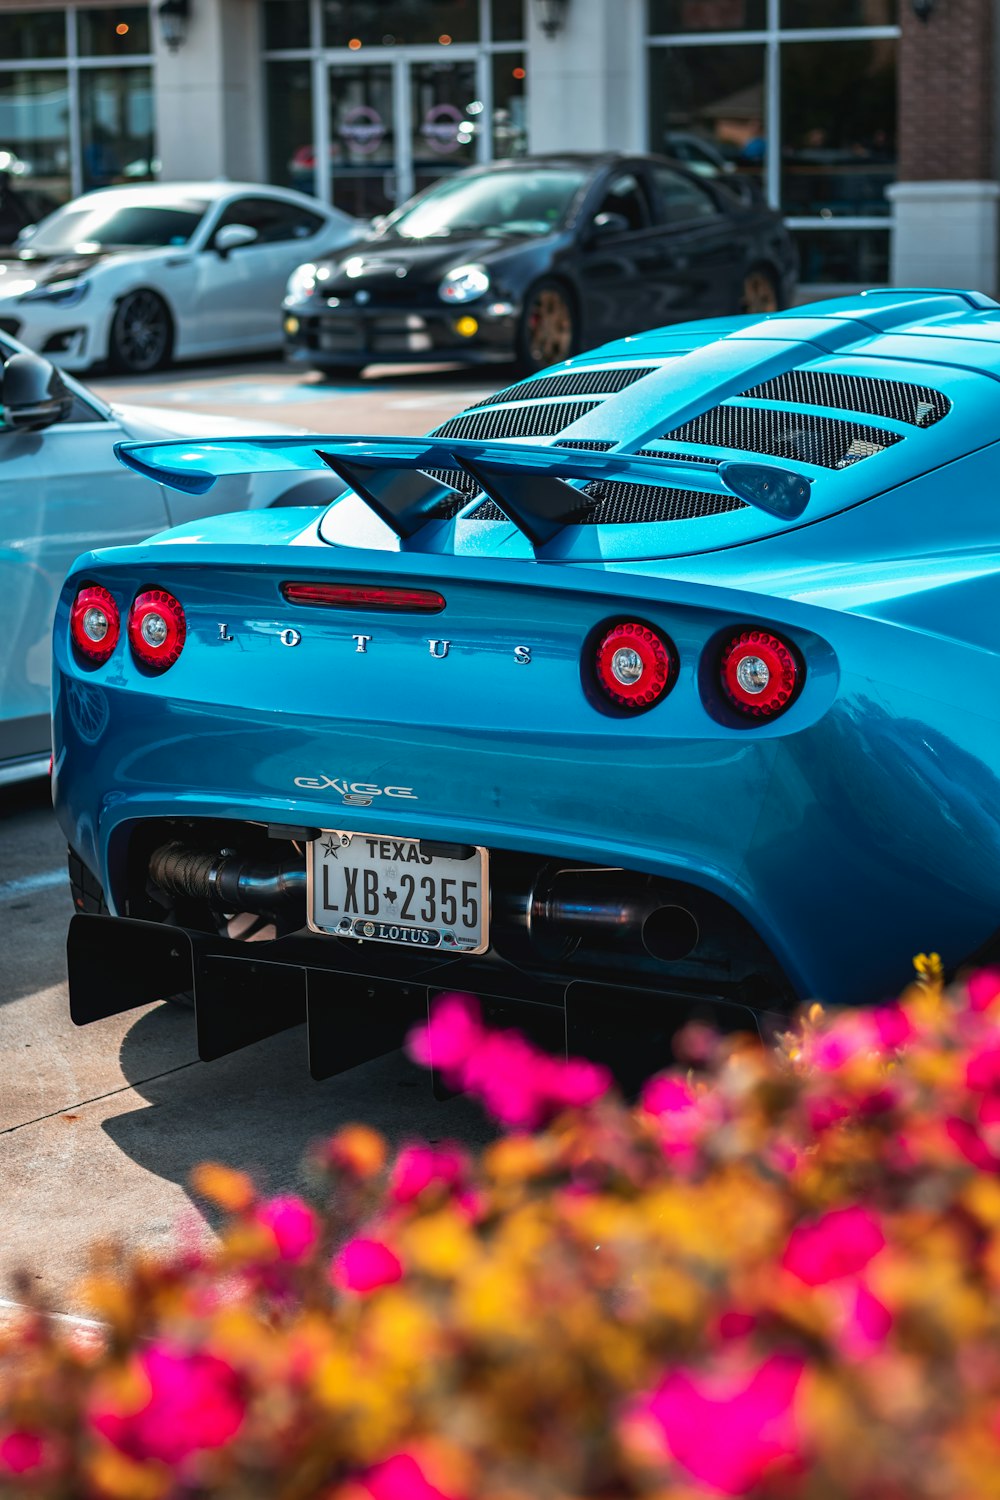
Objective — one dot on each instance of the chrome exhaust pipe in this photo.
(610, 907)
(227, 881)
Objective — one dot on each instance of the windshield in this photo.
(77, 230)
(533, 201)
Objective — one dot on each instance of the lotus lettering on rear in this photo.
(353, 793)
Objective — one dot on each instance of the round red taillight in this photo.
(156, 629)
(94, 624)
(634, 664)
(760, 674)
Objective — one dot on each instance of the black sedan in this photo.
(535, 259)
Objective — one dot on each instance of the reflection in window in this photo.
(362, 140)
(707, 15)
(510, 105)
(286, 24)
(443, 131)
(838, 127)
(399, 22)
(843, 257)
(116, 119)
(290, 151)
(708, 102)
(119, 32)
(28, 35)
(802, 13)
(34, 129)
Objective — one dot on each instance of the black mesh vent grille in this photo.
(916, 404)
(516, 421)
(571, 383)
(680, 458)
(628, 504)
(587, 445)
(825, 441)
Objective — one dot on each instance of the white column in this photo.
(945, 234)
(586, 86)
(209, 109)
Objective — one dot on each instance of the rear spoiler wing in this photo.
(529, 483)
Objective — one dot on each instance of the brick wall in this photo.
(946, 82)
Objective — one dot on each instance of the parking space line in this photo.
(11, 889)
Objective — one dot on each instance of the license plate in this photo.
(414, 893)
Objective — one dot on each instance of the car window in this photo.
(525, 201)
(93, 226)
(682, 199)
(274, 220)
(626, 195)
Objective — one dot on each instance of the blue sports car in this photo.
(664, 680)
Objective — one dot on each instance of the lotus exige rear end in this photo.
(661, 681)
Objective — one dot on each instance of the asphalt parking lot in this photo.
(100, 1128)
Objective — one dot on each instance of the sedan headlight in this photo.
(301, 283)
(65, 293)
(464, 284)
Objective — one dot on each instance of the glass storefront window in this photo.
(838, 105)
(25, 35)
(362, 139)
(708, 102)
(359, 23)
(802, 13)
(443, 129)
(666, 16)
(508, 20)
(286, 25)
(34, 129)
(843, 257)
(110, 31)
(291, 150)
(116, 120)
(510, 105)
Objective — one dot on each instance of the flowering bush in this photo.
(776, 1276)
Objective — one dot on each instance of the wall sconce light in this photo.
(551, 15)
(922, 9)
(174, 17)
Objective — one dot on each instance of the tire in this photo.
(142, 333)
(340, 372)
(88, 897)
(760, 293)
(547, 331)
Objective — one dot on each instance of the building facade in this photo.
(871, 124)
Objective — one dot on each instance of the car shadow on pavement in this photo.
(259, 1110)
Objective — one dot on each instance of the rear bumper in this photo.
(358, 1002)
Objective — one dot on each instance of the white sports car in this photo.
(139, 275)
(62, 492)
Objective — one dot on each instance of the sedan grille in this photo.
(916, 404)
(824, 441)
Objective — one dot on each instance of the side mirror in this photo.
(609, 223)
(25, 233)
(33, 394)
(233, 237)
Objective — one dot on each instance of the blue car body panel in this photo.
(856, 828)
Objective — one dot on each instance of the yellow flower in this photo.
(230, 1190)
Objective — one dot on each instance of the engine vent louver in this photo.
(901, 401)
(516, 421)
(679, 458)
(570, 383)
(587, 445)
(824, 441)
(621, 504)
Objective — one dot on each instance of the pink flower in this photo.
(982, 1072)
(293, 1225)
(839, 1244)
(970, 1144)
(400, 1478)
(983, 989)
(729, 1426)
(20, 1452)
(576, 1083)
(365, 1265)
(864, 1323)
(194, 1403)
(450, 1037)
(665, 1095)
(421, 1166)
